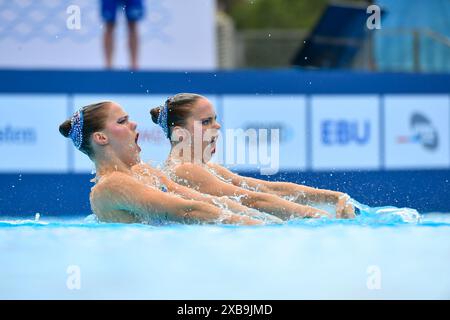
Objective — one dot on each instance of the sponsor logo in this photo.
(344, 132)
(286, 133)
(154, 136)
(16, 135)
(422, 132)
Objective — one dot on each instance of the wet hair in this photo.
(94, 120)
(179, 109)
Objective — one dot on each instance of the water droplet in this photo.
(306, 58)
(147, 91)
(270, 35)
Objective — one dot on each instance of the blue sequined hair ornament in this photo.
(76, 128)
(162, 117)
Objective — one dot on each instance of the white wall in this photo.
(175, 34)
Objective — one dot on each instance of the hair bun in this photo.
(65, 127)
(155, 114)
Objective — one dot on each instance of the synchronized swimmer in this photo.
(194, 190)
(106, 135)
(178, 117)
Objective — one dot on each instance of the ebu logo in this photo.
(422, 132)
(14, 135)
(343, 132)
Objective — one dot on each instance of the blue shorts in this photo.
(134, 9)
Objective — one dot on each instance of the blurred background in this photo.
(269, 33)
(358, 89)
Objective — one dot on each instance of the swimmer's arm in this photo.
(184, 192)
(126, 194)
(305, 195)
(238, 180)
(189, 193)
(202, 180)
(302, 194)
(279, 188)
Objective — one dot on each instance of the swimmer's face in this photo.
(121, 135)
(203, 121)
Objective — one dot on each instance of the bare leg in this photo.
(133, 43)
(108, 43)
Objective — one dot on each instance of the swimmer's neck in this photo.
(104, 166)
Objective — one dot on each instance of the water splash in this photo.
(387, 214)
(91, 219)
(365, 214)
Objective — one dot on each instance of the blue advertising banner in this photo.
(345, 132)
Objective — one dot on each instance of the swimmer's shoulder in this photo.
(197, 175)
(112, 182)
(213, 165)
(218, 168)
(222, 171)
(113, 178)
(188, 169)
(144, 168)
(103, 198)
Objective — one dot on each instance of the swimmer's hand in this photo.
(311, 212)
(236, 219)
(344, 209)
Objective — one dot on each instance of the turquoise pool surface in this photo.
(378, 255)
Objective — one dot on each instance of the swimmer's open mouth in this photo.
(136, 141)
(212, 143)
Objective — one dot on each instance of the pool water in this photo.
(379, 255)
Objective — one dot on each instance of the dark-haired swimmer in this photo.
(106, 135)
(179, 116)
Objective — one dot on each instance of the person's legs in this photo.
(108, 43)
(134, 10)
(108, 9)
(133, 43)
